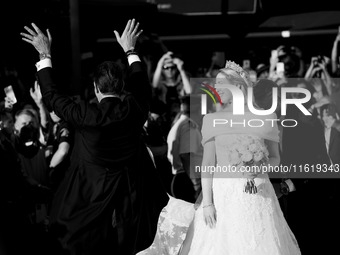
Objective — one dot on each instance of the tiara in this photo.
(238, 69)
(233, 66)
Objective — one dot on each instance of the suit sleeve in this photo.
(138, 85)
(62, 105)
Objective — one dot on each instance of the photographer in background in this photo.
(32, 154)
(285, 62)
(319, 77)
(18, 195)
(12, 213)
(170, 81)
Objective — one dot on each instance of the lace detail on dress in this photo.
(173, 224)
(257, 208)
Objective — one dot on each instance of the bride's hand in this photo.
(253, 171)
(209, 214)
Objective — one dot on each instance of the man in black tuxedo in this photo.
(307, 200)
(300, 145)
(111, 197)
(331, 140)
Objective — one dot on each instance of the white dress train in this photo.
(173, 224)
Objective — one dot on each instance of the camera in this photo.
(27, 141)
(318, 60)
(29, 135)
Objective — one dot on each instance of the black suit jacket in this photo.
(302, 145)
(334, 146)
(111, 197)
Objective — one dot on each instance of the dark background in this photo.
(83, 36)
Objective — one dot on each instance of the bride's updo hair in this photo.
(237, 76)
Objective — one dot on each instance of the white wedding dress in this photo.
(247, 224)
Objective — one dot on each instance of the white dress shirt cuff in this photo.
(133, 58)
(43, 64)
(290, 184)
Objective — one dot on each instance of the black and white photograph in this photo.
(169, 127)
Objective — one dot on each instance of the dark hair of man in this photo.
(330, 110)
(108, 77)
(291, 64)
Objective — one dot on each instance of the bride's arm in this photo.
(274, 155)
(208, 164)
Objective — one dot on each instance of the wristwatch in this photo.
(44, 55)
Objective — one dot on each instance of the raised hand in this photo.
(163, 58)
(36, 93)
(38, 39)
(179, 63)
(322, 64)
(166, 56)
(129, 36)
(314, 61)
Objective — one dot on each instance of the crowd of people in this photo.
(64, 159)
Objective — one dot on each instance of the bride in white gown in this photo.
(230, 221)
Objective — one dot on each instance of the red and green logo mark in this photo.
(209, 93)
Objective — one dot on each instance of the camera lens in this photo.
(28, 133)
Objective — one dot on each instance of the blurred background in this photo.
(82, 30)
